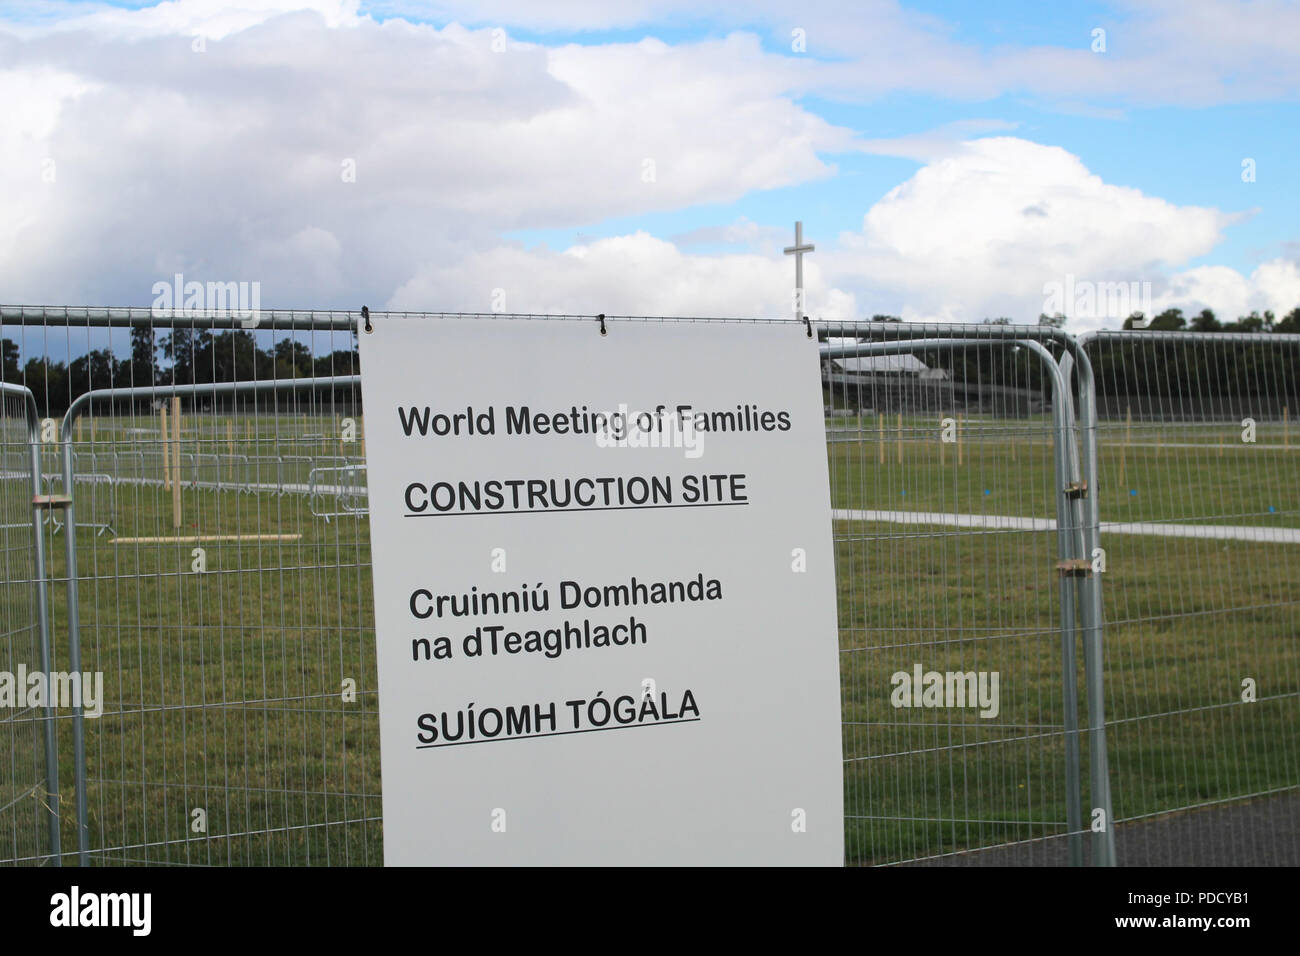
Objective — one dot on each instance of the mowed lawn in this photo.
(226, 688)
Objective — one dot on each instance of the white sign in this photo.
(604, 593)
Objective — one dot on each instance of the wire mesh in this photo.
(944, 485)
(223, 582)
(1201, 504)
(24, 794)
(233, 628)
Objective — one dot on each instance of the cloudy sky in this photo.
(651, 156)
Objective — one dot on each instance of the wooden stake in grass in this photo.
(880, 434)
(1286, 438)
(899, 441)
(230, 436)
(959, 459)
(1128, 437)
(176, 461)
(166, 450)
(78, 429)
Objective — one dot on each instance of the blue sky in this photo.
(948, 159)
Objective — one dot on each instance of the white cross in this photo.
(797, 250)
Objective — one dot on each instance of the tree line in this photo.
(198, 356)
(180, 356)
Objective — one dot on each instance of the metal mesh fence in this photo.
(945, 488)
(25, 796)
(1200, 493)
(220, 578)
(233, 628)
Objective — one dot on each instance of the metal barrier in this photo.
(971, 470)
(940, 464)
(1202, 505)
(99, 500)
(29, 767)
(345, 485)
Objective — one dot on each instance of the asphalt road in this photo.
(1263, 832)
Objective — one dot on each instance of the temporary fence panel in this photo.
(234, 630)
(960, 536)
(1200, 498)
(29, 806)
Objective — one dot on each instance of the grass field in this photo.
(225, 688)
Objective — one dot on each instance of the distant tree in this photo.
(1000, 320)
(1170, 320)
(1290, 322)
(49, 383)
(178, 349)
(1136, 320)
(96, 369)
(292, 359)
(9, 359)
(1056, 321)
(1206, 322)
(885, 318)
(338, 362)
(1249, 323)
(144, 356)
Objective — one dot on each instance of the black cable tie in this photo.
(807, 325)
(603, 330)
(365, 314)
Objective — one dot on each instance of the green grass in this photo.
(225, 688)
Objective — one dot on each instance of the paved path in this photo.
(1263, 832)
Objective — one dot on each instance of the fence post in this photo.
(74, 649)
(1067, 536)
(1103, 844)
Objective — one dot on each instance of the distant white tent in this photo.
(907, 365)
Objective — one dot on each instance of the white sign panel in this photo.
(604, 593)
